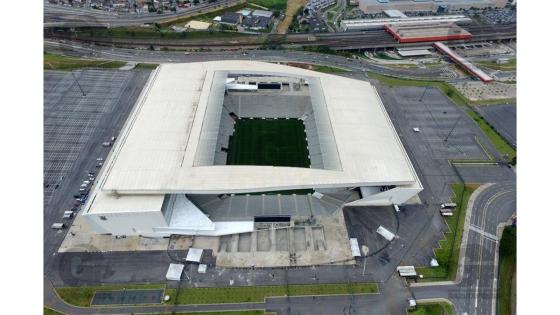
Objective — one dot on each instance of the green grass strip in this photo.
(259, 293)
(506, 269)
(441, 308)
(81, 296)
(48, 311)
(328, 69)
(59, 62)
(448, 253)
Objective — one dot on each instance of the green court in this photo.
(271, 142)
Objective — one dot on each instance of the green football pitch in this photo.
(271, 142)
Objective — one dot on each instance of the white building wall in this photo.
(395, 196)
(127, 223)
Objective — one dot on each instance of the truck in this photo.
(448, 205)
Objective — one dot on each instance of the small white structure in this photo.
(388, 235)
(407, 271)
(395, 14)
(412, 303)
(317, 195)
(245, 12)
(174, 272)
(355, 247)
(413, 52)
(202, 268)
(194, 255)
(434, 262)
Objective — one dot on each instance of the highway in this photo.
(140, 55)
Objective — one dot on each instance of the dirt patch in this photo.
(291, 8)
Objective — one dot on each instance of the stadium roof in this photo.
(156, 149)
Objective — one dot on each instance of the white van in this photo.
(58, 226)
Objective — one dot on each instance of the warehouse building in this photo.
(377, 6)
(217, 148)
(373, 24)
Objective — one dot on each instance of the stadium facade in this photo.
(212, 148)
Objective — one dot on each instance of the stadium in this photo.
(227, 147)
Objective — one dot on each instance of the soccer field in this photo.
(271, 142)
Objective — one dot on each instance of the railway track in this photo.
(338, 41)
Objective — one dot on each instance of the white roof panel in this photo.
(174, 272)
(156, 152)
(194, 254)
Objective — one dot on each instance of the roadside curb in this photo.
(463, 246)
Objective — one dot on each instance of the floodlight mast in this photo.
(78, 83)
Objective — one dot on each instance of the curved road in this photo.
(475, 293)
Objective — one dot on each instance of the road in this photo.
(140, 55)
(475, 293)
(63, 16)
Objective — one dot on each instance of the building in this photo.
(442, 31)
(201, 155)
(231, 18)
(394, 14)
(262, 13)
(377, 6)
(256, 23)
(372, 24)
(313, 6)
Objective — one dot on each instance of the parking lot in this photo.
(503, 117)
(75, 125)
(444, 132)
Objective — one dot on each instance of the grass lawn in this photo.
(508, 66)
(81, 296)
(441, 308)
(273, 5)
(497, 140)
(506, 270)
(328, 69)
(48, 311)
(272, 142)
(448, 253)
(151, 33)
(259, 293)
(59, 62)
(146, 66)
